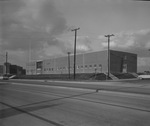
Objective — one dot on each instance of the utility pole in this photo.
(69, 64)
(75, 30)
(148, 49)
(6, 62)
(108, 36)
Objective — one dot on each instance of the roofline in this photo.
(54, 57)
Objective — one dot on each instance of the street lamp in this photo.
(6, 62)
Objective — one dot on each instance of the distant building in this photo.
(86, 63)
(7, 68)
(11, 69)
(2, 69)
(16, 70)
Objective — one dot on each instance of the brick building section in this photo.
(123, 62)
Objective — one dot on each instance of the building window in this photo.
(90, 66)
(85, 66)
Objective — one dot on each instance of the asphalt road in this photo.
(40, 103)
(130, 86)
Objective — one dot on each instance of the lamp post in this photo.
(100, 66)
(149, 50)
(108, 36)
(75, 30)
(6, 63)
(69, 65)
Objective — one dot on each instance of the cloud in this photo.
(34, 21)
(143, 63)
(132, 41)
(83, 44)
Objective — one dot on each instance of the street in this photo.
(37, 103)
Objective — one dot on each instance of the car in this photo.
(4, 77)
(1, 77)
(144, 77)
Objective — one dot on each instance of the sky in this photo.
(40, 29)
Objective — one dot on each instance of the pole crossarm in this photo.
(75, 29)
(109, 35)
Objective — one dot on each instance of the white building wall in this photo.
(85, 63)
(95, 62)
(31, 68)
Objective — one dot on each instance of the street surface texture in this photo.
(39, 103)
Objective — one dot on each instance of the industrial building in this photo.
(92, 62)
(11, 69)
(2, 69)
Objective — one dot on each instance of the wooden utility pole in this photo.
(75, 30)
(69, 65)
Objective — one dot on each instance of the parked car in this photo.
(4, 77)
(144, 77)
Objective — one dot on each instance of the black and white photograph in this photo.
(74, 62)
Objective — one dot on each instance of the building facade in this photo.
(11, 69)
(16, 70)
(2, 70)
(93, 62)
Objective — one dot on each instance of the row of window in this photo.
(66, 68)
(78, 67)
(32, 71)
(49, 69)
